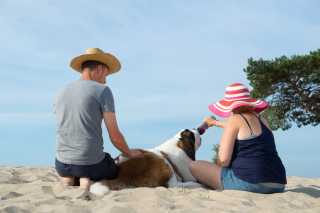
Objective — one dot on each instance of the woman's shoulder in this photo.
(262, 118)
(265, 121)
(233, 119)
(239, 118)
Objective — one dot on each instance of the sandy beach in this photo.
(37, 189)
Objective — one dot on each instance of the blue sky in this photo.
(177, 57)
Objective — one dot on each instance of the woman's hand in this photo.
(210, 121)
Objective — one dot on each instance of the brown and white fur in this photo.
(165, 165)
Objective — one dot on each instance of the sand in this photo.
(36, 189)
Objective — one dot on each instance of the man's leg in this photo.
(67, 181)
(85, 183)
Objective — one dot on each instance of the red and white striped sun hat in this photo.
(236, 95)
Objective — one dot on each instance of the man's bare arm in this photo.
(115, 134)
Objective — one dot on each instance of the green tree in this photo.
(215, 150)
(291, 85)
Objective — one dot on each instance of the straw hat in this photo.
(96, 54)
(236, 95)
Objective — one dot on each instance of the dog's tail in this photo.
(99, 189)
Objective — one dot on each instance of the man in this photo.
(80, 109)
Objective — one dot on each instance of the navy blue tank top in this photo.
(256, 160)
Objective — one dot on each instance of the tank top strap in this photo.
(251, 132)
(263, 126)
(257, 116)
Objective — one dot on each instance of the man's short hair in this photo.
(91, 65)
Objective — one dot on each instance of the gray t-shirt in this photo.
(79, 111)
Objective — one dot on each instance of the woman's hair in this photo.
(91, 65)
(243, 109)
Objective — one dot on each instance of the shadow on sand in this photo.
(307, 190)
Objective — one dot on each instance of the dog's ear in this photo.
(187, 134)
(187, 143)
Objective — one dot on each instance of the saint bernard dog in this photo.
(165, 165)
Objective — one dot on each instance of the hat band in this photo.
(238, 94)
(245, 97)
(235, 92)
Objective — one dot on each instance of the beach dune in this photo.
(37, 189)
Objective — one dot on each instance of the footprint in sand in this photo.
(49, 190)
(121, 197)
(13, 209)
(11, 195)
(11, 178)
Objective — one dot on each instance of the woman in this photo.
(247, 157)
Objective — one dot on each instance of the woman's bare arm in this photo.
(230, 132)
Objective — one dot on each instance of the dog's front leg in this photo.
(173, 181)
(190, 185)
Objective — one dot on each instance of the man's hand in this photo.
(117, 138)
(135, 153)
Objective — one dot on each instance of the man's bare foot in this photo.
(86, 195)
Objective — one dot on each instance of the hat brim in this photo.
(106, 58)
(223, 108)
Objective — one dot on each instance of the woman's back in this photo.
(249, 125)
(255, 158)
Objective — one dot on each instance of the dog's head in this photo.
(180, 149)
(189, 141)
